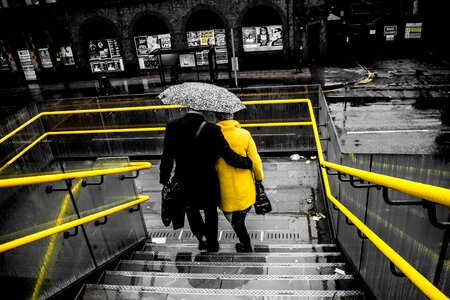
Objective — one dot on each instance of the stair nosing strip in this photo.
(228, 292)
(233, 264)
(229, 276)
(233, 245)
(252, 254)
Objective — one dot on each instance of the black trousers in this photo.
(207, 228)
(237, 220)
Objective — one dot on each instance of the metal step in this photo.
(258, 247)
(231, 267)
(230, 281)
(100, 291)
(236, 257)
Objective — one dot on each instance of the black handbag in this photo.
(262, 204)
(172, 208)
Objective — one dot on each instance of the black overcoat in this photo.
(195, 159)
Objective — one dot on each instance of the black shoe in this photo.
(214, 247)
(240, 248)
(202, 244)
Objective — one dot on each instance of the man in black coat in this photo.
(195, 160)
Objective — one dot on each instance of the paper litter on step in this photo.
(159, 240)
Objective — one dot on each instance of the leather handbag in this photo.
(172, 209)
(262, 204)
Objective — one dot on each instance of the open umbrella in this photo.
(202, 96)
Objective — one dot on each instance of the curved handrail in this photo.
(416, 278)
(57, 229)
(19, 181)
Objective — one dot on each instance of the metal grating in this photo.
(160, 233)
(268, 235)
(227, 292)
(231, 235)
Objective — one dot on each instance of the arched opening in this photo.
(262, 37)
(206, 28)
(150, 33)
(103, 46)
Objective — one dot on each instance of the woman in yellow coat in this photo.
(237, 186)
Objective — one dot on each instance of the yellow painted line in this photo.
(66, 226)
(10, 182)
(52, 244)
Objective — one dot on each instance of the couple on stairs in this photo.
(216, 165)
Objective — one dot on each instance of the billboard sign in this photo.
(27, 65)
(262, 38)
(211, 37)
(413, 30)
(146, 44)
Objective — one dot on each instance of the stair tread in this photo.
(229, 276)
(220, 291)
(240, 264)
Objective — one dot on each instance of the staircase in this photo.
(176, 270)
(294, 257)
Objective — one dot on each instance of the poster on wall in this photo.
(104, 49)
(27, 65)
(4, 62)
(212, 37)
(413, 30)
(44, 55)
(67, 56)
(105, 56)
(145, 45)
(105, 66)
(262, 38)
(187, 60)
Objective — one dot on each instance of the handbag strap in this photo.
(199, 130)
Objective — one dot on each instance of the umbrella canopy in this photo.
(202, 96)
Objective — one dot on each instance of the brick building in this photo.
(44, 39)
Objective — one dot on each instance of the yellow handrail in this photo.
(57, 229)
(420, 190)
(19, 181)
(399, 184)
(416, 278)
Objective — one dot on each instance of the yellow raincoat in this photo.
(237, 187)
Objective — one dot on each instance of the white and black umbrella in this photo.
(202, 96)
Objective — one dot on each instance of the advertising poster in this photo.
(104, 49)
(214, 37)
(146, 45)
(262, 38)
(105, 66)
(187, 60)
(27, 65)
(193, 38)
(67, 56)
(413, 30)
(207, 38)
(148, 62)
(219, 35)
(44, 55)
(4, 62)
(105, 56)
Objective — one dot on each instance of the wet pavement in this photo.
(404, 109)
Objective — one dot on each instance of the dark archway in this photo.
(261, 15)
(264, 38)
(96, 29)
(149, 25)
(204, 20)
